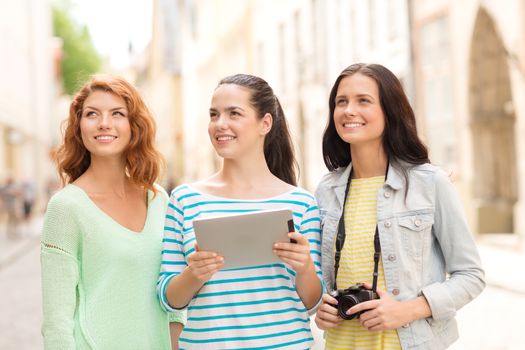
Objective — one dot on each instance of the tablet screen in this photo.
(244, 239)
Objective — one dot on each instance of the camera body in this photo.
(346, 298)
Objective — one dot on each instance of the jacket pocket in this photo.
(416, 233)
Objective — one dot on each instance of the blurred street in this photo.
(20, 304)
(493, 321)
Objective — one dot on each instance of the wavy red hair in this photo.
(143, 161)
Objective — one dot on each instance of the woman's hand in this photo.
(202, 265)
(297, 255)
(327, 316)
(388, 313)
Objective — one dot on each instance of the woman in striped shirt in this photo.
(381, 184)
(260, 307)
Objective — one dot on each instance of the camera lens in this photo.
(345, 303)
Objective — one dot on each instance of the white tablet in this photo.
(244, 239)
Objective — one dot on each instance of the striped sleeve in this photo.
(173, 255)
(311, 228)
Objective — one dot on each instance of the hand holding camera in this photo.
(380, 313)
(336, 305)
(348, 298)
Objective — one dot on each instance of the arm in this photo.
(175, 331)
(60, 276)
(202, 265)
(184, 270)
(388, 313)
(304, 257)
(439, 300)
(461, 256)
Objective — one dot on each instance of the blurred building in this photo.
(191, 49)
(298, 46)
(462, 64)
(27, 91)
(470, 64)
(301, 46)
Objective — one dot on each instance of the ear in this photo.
(266, 123)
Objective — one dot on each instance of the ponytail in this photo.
(278, 148)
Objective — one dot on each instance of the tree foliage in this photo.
(80, 58)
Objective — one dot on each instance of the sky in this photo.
(113, 24)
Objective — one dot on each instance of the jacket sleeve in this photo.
(60, 275)
(462, 262)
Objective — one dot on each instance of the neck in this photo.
(368, 162)
(247, 172)
(110, 175)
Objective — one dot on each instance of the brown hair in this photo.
(143, 161)
(400, 139)
(278, 147)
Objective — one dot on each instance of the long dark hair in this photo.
(278, 149)
(400, 140)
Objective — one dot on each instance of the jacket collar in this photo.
(393, 180)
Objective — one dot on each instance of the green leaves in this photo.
(80, 58)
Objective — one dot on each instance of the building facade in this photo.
(298, 46)
(27, 92)
(470, 69)
(462, 64)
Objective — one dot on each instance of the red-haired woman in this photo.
(102, 236)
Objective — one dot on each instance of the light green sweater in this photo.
(99, 278)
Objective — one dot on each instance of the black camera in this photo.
(346, 298)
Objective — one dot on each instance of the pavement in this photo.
(12, 249)
(494, 320)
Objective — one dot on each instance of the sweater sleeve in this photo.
(60, 274)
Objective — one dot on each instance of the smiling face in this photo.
(234, 128)
(104, 125)
(358, 116)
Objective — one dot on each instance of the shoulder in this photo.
(302, 197)
(161, 191)
(427, 177)
(65, 198)
(66, 205)
(331, 179)
(300, 192)
(184, 192)
(159, 196)
(430, 172)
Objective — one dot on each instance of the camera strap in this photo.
(340, 240)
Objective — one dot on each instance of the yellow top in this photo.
(357, 265)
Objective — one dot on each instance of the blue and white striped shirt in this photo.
(255, 307)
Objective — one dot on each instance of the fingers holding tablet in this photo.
(204, 264)
(297, 255)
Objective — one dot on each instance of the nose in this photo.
(105, 121)
(350, 109)
(221, 122)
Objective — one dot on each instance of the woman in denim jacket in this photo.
(428, 264)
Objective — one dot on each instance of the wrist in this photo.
(307, 269)
(418, 307)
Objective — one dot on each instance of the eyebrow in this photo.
(112, 109)
(231, 108)
(358, 95)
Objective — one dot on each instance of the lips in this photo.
(353, 125)
(105, 137)
(223, 138)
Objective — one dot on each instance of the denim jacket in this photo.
(426, 247)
